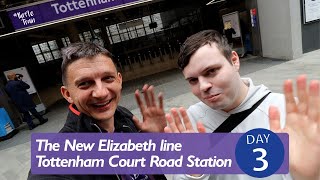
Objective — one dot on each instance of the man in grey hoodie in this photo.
(212, 71)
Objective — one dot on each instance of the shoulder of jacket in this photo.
(274, 99)
(71, 122)
(124, 111)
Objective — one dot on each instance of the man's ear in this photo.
(235, 60)
(120, 79)
(65, 93)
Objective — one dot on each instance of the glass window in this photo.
(65, 41)
(40, 58)
(56, 54)
(141, 32)
(48, 56)
(116, 39)
(124, 36)
(113, 29)
(146, 22)
(139, 26)
(158, 20)
(48, 51)
(44, 47)
(36, 49)
(87, 36)
(132, 33)
(116, 34)
(53, 44)
(109, 36)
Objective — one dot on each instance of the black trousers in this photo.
(28, 119)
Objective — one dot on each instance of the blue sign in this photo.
(58, 10)
(264, 153)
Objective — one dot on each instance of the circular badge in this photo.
(259, 153)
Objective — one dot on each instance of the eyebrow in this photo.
(208, 68)
(78, 81)
(187, 79)
(204, 70)
(107, 73)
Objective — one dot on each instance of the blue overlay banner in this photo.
(57, 10)
(158, 153)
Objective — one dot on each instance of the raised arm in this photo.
(303, 127)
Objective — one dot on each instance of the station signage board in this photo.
(61, 10)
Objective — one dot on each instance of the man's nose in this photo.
(205, 85)
(100, 90)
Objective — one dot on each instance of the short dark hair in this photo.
(202, 38)
(76, 51)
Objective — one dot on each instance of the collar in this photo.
(74, 110)
(122, 121)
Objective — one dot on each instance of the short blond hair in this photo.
(11, 75)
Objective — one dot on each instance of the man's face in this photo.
(213, 79)
(94, 86)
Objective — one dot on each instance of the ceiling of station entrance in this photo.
(115, 17)
(118, 16)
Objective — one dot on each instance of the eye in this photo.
(193, 81)
(212, 71)
(109, 79)
(84, 84)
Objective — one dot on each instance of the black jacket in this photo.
(79, 122)
(17, 91)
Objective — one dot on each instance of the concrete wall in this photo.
(280, 28)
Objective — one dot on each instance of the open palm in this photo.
(303, 127)
(153, 114)
(181, 124)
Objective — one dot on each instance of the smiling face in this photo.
(94, 86)
(213, 79)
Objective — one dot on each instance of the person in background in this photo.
(246, 38)
(17, 90)
(228, 32)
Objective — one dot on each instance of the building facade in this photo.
(145, 35)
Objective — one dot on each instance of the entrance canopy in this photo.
(38, 15)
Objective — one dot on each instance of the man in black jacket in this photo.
(17, 90)
(92, 85)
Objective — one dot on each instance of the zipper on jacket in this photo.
(95, 125)
(125, 126)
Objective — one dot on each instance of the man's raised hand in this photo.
(303, 127)
(152, 112)
(181, 124)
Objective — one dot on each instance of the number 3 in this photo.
(263, 154)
